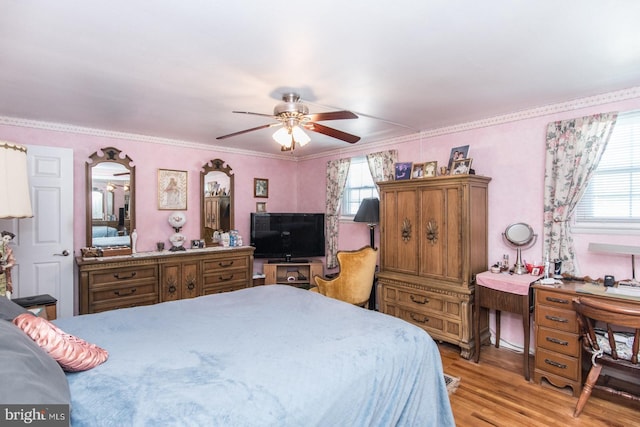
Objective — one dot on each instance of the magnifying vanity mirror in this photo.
(216, 200)
(110, 182)
(520, 236)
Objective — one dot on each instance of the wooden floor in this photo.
(495, 393)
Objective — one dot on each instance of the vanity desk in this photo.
(108, 283)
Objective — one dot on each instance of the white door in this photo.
(43, 246)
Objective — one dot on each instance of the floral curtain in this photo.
(337, 171)
(574, 148)
(381, 165)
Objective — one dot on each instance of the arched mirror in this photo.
(519, 236)
(110, 198)
(216, 200)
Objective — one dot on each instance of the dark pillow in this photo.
(9, 310)
(29, 375)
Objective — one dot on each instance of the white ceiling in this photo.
(176, 70)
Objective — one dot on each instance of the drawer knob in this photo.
(172, 289)
(556, 319)
(556, 364)
(122, 294)
(130, 276)
(191, 285)
(557, 341)
(422, 300)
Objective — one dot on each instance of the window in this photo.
(359, 186)
(612, 198)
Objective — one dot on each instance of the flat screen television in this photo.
(287, 236)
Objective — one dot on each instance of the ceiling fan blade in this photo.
(254, 114)
(334, 133)
(248, 130)
(332, 115)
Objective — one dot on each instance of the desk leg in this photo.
(497, 328)
(527, 332)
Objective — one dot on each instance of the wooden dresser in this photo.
(433, 241)
(148, 278)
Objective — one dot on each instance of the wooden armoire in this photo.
(433, 241)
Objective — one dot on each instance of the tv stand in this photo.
(294, 273)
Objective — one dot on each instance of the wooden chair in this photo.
(355, 280)
(605, 350)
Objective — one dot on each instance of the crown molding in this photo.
(592, 101)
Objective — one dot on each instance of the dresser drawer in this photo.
(124, 275)
(558, 364)
(217, 265)
(553, 299)
(558, 341)
(556, 318)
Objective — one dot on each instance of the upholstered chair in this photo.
(355, 278)
(614, 343)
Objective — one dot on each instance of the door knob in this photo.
(64, 253)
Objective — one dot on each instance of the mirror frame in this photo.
(215, 165)
(109, 154)
(521, 225)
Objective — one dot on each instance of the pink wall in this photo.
(511, 153)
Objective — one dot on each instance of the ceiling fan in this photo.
(293, 115)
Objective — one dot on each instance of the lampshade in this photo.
(622, 250)
(15, 200)
(285, 136)
(369, 211)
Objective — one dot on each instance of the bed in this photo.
(265, 356)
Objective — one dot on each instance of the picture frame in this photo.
(403, 171)
(260, 187)
(461, 167)
(457, 153)
(417, 171)
(430, 169)
(261, 207)
(172, 190)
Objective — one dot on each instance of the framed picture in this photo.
(461, 167)
(403, 170)
(457, 153)
(260, 187)
(417, 171)
(261, 207)
(172, 190)
(430, 169)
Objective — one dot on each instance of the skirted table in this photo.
(504, 292)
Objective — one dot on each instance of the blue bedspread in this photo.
(266, 356)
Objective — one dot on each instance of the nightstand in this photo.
(46, 301)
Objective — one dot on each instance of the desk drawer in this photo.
(558, 364)
(553, 299)
(558, 341)
(555, 318)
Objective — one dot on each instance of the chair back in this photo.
(609, 329)
(355, 279)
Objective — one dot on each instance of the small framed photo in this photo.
(430, 169)
(260, 187)
(417, 171)
(535, 271)
(261, 207)
(172, 190)
(403, 170)
(457, 153)
(461, 167)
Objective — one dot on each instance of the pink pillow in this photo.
(72, 353)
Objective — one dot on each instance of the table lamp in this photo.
(15, 200)
(620, 250)
(369, 212)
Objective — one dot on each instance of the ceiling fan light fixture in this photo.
(299, 136)
(282, 137)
